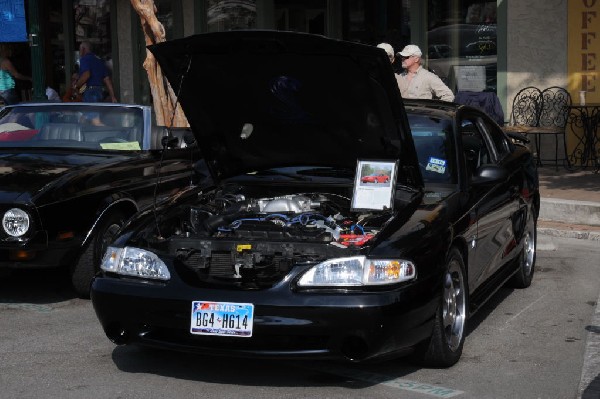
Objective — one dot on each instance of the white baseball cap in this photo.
(411, 49)
(388, 49)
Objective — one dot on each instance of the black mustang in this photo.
(288, 254)
(72, 173)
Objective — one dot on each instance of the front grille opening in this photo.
(228, 269)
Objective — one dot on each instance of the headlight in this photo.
(358, 271)
(15, 222)
(137, 262)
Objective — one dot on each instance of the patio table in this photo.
(587, 118)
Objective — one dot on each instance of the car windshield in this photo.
(81, 126)
(432, 136)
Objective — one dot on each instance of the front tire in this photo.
(524, 276)
(445, 346)
(83, 272)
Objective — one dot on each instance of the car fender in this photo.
(124, 204)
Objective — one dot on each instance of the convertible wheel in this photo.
(446, 343)
(523, 277)
(88, 264)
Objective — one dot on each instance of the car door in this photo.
(494, 203)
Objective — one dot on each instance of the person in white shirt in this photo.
(416, 81)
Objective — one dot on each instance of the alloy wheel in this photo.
(454, 305)
(528, 251)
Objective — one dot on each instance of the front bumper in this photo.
(353, 326)
(38, 256)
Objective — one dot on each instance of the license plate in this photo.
(222, 318)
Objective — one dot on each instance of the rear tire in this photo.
(83, 272)
(524, 276)
(445, 346)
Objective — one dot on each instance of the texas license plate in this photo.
(222, 318)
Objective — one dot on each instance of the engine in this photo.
(307, 217)
(253, 242)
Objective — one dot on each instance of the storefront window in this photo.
(225, 15)
(301, 16)
(373, 22)
(461, 39)
(92, 23)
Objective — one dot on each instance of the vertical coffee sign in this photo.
(584, 49)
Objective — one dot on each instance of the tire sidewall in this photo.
(522, 278)
(88, 264)
(436, 352)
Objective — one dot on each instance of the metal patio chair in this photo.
(526, 110)
(525, 115)
(552, 122)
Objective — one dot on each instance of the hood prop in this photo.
(168, 141)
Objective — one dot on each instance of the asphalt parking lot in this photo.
(523, 344)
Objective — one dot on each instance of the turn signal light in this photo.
(21, 254)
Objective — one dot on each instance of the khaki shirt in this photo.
(424, 84)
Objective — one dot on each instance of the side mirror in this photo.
(518, 137)
(490, 174)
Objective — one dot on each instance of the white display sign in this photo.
(470, 77)
(374, 185)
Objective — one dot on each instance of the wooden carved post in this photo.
(163, 96)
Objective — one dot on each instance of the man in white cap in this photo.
(416, 81)
(391, 55)
(389, 50)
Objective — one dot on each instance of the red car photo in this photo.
(378, 178)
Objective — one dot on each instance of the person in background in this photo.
(71, 95)
(8, 74)
(389, 50)
(416, 81)
(52, 94)
(94, 75)
(391, 55)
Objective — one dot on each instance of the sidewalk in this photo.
(570, 207)
(570, 203)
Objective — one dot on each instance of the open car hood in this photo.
(262, 99)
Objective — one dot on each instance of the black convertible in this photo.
(72, 173)
(287, 254)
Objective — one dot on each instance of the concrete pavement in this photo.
(570, 207)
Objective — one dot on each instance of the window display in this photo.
(227, 15)
(462, 33)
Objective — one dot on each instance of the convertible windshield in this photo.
(80, 125)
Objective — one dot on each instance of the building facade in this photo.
(498, 46)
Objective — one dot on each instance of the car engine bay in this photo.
(233, 238)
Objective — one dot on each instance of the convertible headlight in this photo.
(358, 271)
(15, 222)
(137, 262)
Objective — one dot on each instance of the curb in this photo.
(570, 211)
(584, 235)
